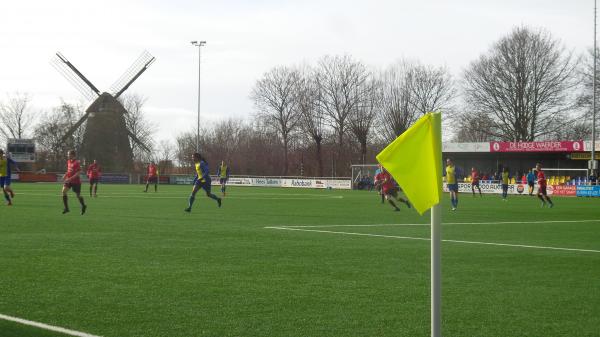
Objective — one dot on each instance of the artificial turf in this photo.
(137, 265)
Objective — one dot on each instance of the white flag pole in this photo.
(436, 271)
(436, 250)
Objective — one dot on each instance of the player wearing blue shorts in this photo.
(223, 174)
(452, 183)
(5, 164)
(202, 180)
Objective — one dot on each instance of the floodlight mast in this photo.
(198, 44)
(593, 163)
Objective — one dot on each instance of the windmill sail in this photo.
(135, 70)
(75, 77)
(106, 137)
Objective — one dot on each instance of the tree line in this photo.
(318, 119)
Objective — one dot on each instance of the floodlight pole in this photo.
(198, 44)
(593, 164)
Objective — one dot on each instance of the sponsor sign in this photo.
(32, 177)
(272, 182)
(550, 146)
(234, 181)
(584, 156)
(112, 178)
(339, 184)
(182, 180)
(588, 191)
(564, 190)
(317, 183)
(266, 182)
(493, 188)
(303, 183)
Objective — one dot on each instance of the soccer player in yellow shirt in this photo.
(451, 183)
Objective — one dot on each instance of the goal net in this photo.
(363, 176)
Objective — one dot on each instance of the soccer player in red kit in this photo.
(389, 189)
(93, 173)
(72, 181)
(152, 176)
(475, 181)
(542, 194)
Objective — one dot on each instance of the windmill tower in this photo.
(106, 137)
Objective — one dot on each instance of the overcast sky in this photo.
(247, 38)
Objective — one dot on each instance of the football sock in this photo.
(81, 201)
(65, 202)
(6, 196)
(212, 196)
(191, 201)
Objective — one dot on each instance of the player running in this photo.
(389, 189)
(223, 173)
(152, 176)
(5, 172)
(202, 180)
(475, 181)
(377, 183)
(93, 173)
(72, 181)
(451, 183)
(541, 179)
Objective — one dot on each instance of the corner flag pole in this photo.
(436, 255)
(436, 271)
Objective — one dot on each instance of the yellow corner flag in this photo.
(414, 159)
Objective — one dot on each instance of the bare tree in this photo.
(185, 146)
(312, 114)
(396, 109)
(432, 88)
(15, 116)
(50, 130)
(523, 84)
(275, 99)
(339, 79)
(364, 114)
(582, 127)
(138, 125)
(472, 128)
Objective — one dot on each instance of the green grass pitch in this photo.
(136, 265)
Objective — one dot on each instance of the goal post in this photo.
(363, 176)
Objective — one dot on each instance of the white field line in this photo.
(446, 223)
(185, 196)
(427, 239)
(46, 326)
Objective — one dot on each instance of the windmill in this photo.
(106, 137)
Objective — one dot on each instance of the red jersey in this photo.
(93, 171)
(73, 169)
(387, 183)
(474, 176)
(151, 170)
(541, 178)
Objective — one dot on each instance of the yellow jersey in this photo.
(505, 178)
(450, 174)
